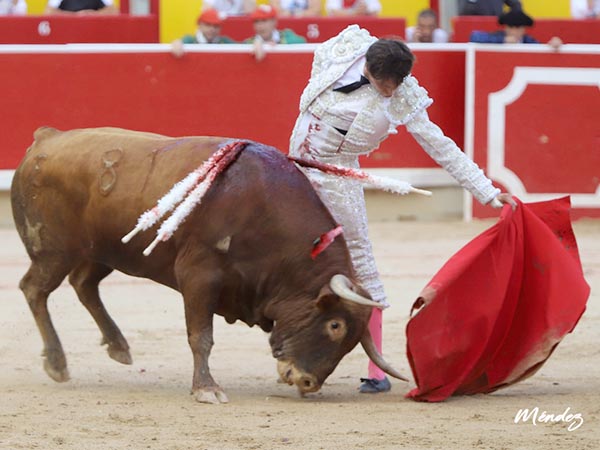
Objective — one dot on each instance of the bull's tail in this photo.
(383, 183)
(185, 195)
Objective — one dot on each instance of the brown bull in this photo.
(244, 253)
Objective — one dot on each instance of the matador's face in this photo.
(385, 87)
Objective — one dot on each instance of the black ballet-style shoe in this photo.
(374, 386)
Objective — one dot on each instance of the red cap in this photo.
(211, 17)
(264, 12)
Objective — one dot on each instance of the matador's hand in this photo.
(503, 199)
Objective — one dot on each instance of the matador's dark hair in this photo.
(389, 59)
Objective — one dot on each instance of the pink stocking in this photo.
(375, 327)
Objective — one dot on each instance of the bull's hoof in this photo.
(58, 375)
(120, 355)
(213, 396)
(118, 349)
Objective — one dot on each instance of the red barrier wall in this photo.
(203, 93)
(62, 29)
(535, 112)
(536, 132)
(570, 31)
(317, 29)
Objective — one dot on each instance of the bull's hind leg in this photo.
(85, 279)
(37, 284)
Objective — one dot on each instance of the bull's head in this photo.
(309, 342)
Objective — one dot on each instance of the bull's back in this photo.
(79, 192)
(88, 186)
(86, 156)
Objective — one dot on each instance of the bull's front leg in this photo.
(200, 295)
(200, 338)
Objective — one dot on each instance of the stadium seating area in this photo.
(170, 20)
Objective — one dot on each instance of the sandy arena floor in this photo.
(146, 406)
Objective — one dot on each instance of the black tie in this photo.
(352, 86)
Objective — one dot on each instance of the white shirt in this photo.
(373, 6)
(201, 38)
(228, 7)
(580, 9)
(440, 36)
(354, 72)
(7, 7)
(275, 37)
(346, 111)
(56, 3)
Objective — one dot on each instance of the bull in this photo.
(244, 253)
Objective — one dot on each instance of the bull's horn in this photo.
(342, 286)
(375, 356)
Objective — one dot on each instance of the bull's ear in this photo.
(327, 299)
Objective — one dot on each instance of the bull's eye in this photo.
(336, 329)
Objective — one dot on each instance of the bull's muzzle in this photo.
(291, 375)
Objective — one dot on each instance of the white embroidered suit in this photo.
(368, 118)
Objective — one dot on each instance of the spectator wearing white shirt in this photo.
(427, 29)
(13, 7)
(352, 7)
(585, 9)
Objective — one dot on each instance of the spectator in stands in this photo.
(81, 7)
(231, 7)
(13, 7)
(486, 7)
(427, 29)
(264, 21)
(352, 7)
(208, 32)
(585, 9)
(515, 27)
(297, 8)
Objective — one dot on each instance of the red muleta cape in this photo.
(497, 309)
